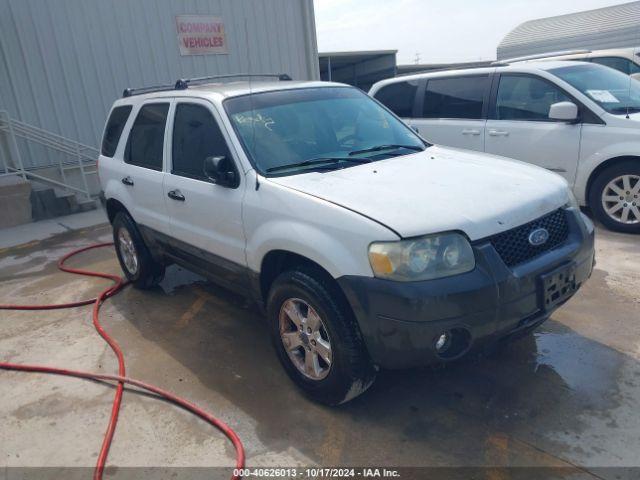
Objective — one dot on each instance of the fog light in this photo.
(443, 342)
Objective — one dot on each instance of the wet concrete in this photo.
(565, 397)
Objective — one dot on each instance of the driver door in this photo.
(206, 218)
(519, 126)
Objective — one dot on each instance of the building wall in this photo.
(610, 27)
(63, 62)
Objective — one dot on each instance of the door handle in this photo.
(470, 132)
(175, 195)
(128, 181)
(498, 133)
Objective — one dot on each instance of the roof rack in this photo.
(539, 55)
(184, 83)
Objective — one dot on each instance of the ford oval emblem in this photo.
(538, 237)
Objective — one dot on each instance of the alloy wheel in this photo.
(305, 339)
(128, 251)
(621, 199)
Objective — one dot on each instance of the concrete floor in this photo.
(567, 397)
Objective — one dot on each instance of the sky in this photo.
(438, 30)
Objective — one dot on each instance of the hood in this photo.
(440, 189)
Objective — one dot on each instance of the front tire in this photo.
(316, 337)
(614, 197)
(135, 259)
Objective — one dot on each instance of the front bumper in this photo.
(400, 321)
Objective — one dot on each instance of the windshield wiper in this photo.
(386, 147)
(318, 161)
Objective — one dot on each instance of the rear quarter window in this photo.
(113, 130)
(398, 97)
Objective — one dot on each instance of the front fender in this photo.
(279, 218)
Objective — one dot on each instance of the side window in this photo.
(398, 97)
(146, 139)
(526, 98)
(621, 64)
(460, 97)
(113, 130)
(196, 136)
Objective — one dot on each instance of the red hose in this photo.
(118, 284)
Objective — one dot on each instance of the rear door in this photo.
(519, 126)
(452, 111)
(206, 219)
(142, 173)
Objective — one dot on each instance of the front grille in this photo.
(513, 245)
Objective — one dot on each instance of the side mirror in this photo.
(635, 76)
(220, 170)
(565, 111)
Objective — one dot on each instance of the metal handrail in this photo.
(84, 155)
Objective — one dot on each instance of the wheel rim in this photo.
(621, 199)
(128, 251)
(305, 339)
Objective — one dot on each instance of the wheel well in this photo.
(113, 207)
(277, 261)
(600, 168)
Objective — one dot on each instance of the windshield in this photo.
(614, 91)
(295, 131)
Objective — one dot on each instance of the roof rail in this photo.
(539, 55)
(184, 83)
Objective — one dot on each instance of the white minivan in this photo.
(580, 120)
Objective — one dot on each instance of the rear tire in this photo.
(306, 309)
(135, 259)
(614, 197)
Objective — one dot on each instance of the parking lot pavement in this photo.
(567, 396)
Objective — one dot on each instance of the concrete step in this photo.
(49, 202)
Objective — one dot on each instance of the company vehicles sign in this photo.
(201, 35)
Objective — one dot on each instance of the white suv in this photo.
(365, 246)
(581, 120)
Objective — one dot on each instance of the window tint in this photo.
(146, 140)
(526, 98)
(399, 97)
(113, 130)
(196, 136)
(623, 65)
(455, 97)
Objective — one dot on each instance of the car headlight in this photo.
(423, 258)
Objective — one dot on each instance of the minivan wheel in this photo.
(317, 338)
(614, 197)
(135, 259)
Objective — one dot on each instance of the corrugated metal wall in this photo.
(63, 62)
(610, 27)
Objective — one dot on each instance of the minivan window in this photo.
(196, 136)
(526, 98)
(146, 139)
(458, 97)
(398, 97)
(614, 91)
(113, 130)
(325, 128)
(621, 64)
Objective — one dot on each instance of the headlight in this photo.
(423, 258)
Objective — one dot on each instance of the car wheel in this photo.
(135, 259)
(317, 338)
(615, 197)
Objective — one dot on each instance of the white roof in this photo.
(232, 89)
(516, 67)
